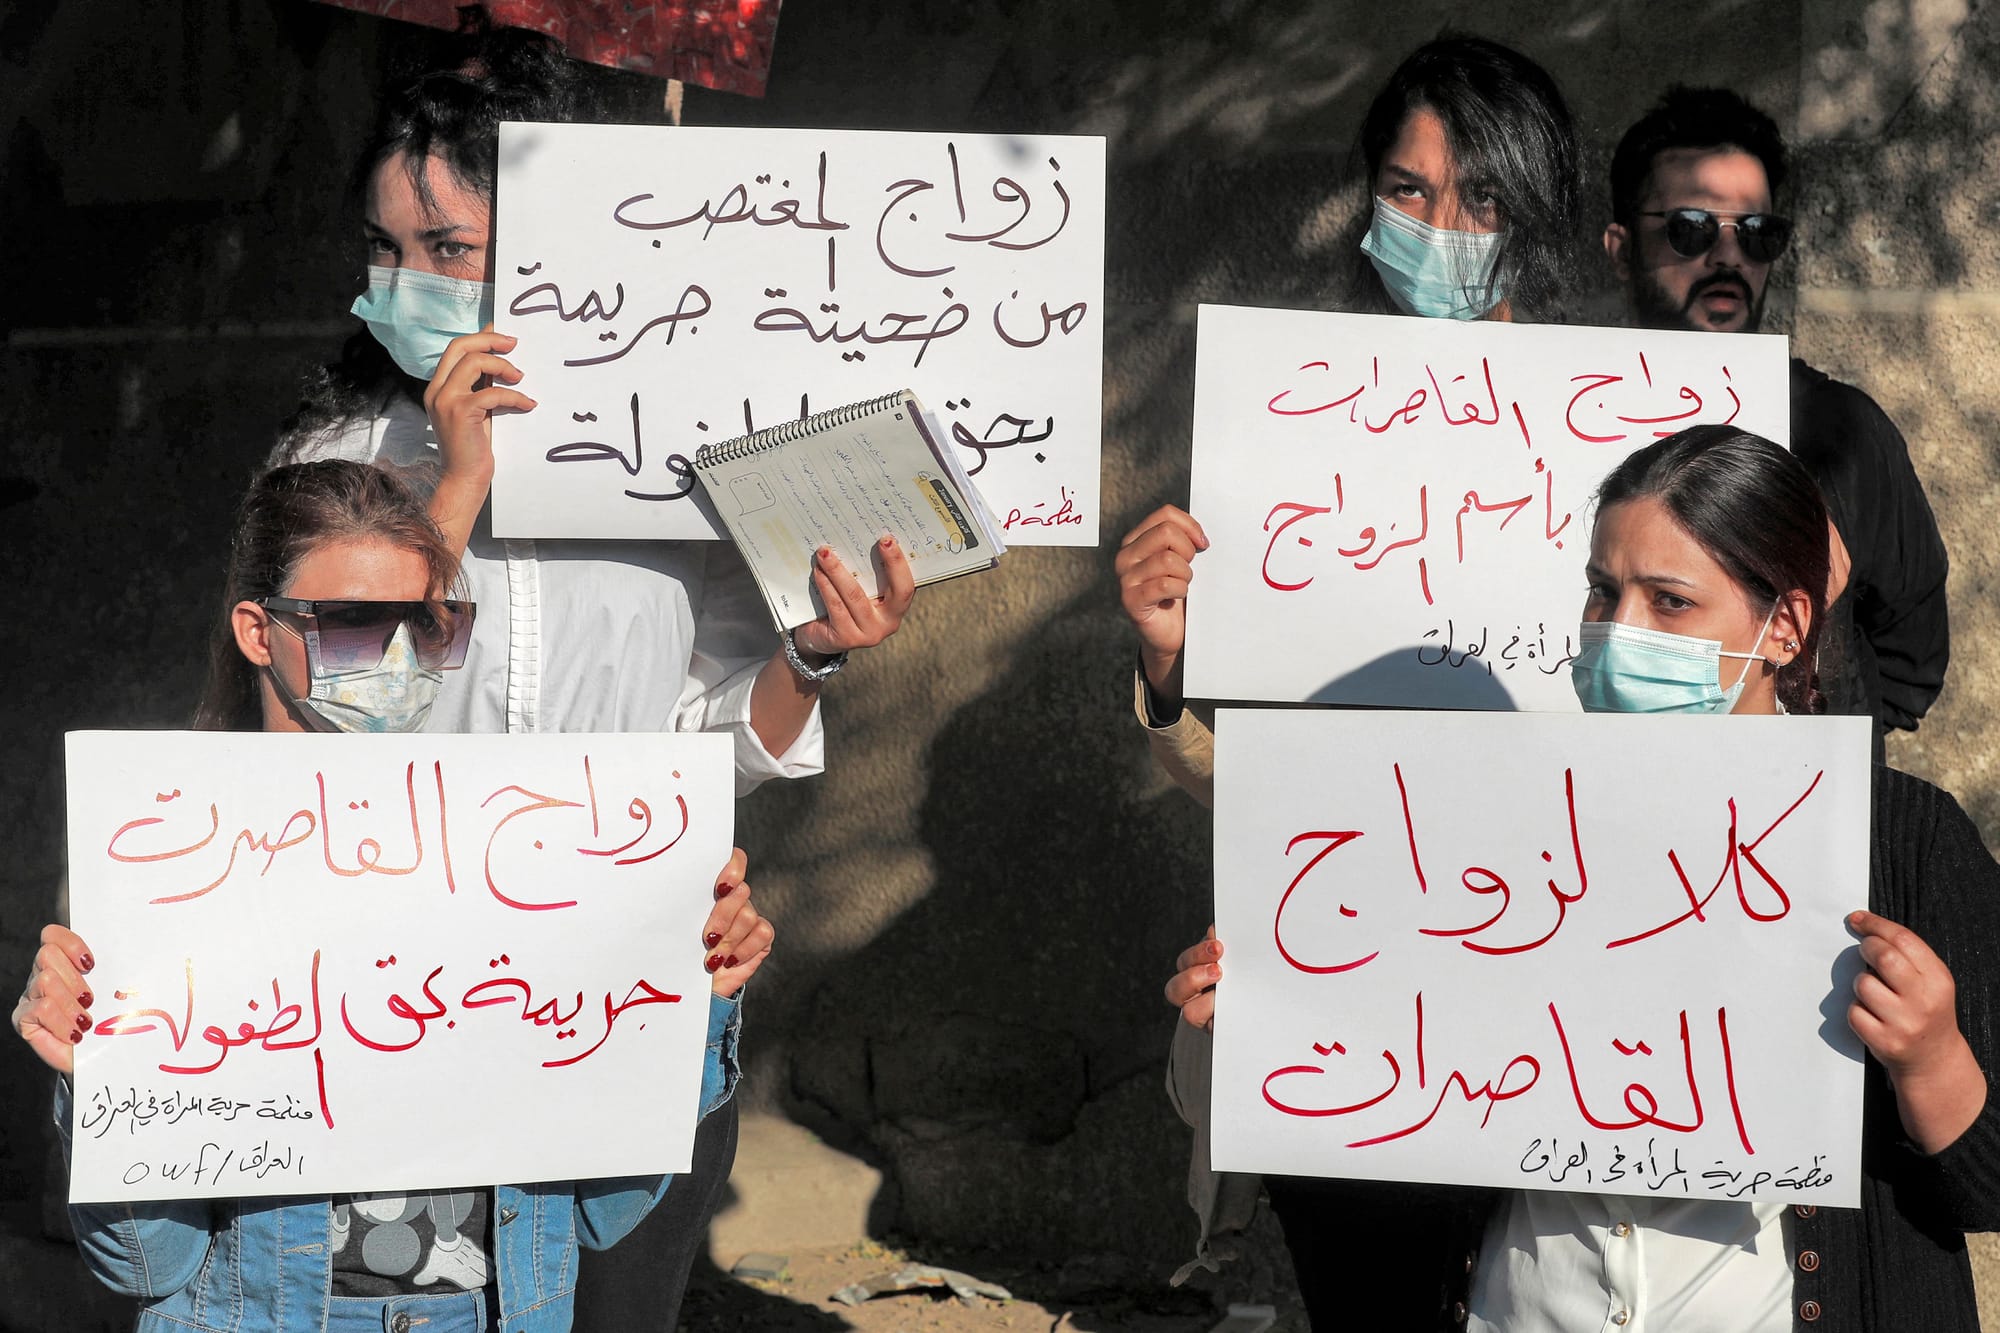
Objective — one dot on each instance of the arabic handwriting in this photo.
(1736, 854)
(736, 206)
(1005, 431)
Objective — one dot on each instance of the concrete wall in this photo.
(978, 904)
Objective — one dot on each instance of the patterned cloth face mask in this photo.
(1432, 272)
(396, 694)
(1625, 669)
(416, 315)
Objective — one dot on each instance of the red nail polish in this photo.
(83, 1022)
(713, 963)
(75, 1037)
(84, 999)
(723, 891)
(713, 938)
(729, 961)
(87, 962)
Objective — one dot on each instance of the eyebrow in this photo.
(428, 234)
(1592, 571)
(1404, 173)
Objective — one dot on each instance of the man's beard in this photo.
(1657, 309)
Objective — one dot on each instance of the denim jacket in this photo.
(265, 1265)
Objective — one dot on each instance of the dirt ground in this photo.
(1084, 1296)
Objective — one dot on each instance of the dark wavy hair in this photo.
(1691, 118)
(1756, 511)
(1511, 136)
(452, 114)
(289, 513)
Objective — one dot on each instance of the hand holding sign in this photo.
(53, 1013)
(1155, 565)
(1905, 1011)
(469, 388)
(1191, 989)
(737, 937)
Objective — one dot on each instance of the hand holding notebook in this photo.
(844, 479)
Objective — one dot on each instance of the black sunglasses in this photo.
(343, 636)
(1693, 232)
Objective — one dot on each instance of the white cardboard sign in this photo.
(1398, 508)
(679, 287)
(1587, 953)
(329, 964)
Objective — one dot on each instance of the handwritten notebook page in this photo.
(845, 487)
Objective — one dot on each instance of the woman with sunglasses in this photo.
(1713, 540)
(334, 620)
(1471, 186)
(574, 635)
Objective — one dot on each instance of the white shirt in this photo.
(1554, 1262)
(596, 636)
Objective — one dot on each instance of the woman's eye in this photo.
(381, 245)
(453, 250)
(1667, 601)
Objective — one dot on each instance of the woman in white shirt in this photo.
(573, 635)
(1707, 581)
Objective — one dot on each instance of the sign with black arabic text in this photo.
(675, 287)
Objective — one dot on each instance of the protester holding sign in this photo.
(1474, 185)
(1474, 182)
(683, 621)
(578, 636)
(1707, 584)
(335, 620)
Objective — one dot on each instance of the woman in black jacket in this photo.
(1710, 549)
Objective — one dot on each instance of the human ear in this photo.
(251, 624)
(1786, 638)
(1617, 246)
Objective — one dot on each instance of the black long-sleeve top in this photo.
(1898, 1262)
(1890, 633)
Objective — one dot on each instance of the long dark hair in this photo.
(289, 513)
(1756, 511)
(1511, 136)
(452, 114)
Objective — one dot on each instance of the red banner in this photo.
(720, 44)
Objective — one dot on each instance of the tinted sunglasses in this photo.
(344, 636)
(1693, 232)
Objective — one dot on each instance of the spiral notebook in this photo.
(845, 478)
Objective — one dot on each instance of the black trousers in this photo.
(636, 1286)
(1378, 1255)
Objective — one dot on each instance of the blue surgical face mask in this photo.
(1432, 272)
(395, 694)
(415, 315)
(1625, 669)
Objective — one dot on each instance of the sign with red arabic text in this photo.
(1399, 508)
(1602, 953)
(330, 964)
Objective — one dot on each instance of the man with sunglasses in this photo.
(1693, 235)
